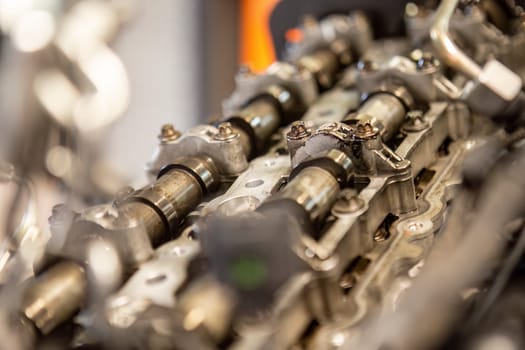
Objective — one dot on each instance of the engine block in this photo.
(317, 211)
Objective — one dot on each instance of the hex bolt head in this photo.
(225, 132)
(347, 281)
(298, 130)
(168, 133)
(414, 121)
(411, 9)
(365, 130)
(381, 235)
(426, 61)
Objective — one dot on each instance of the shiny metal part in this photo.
(144, 218)
(301, 84)
(314, 189)
(228, 153)
(207, 304)
(130, 230)
(353, 29)
(329, 44)
(333, 105)
(150, 220)
(327, 137)
(179, 189)
(172, 194)
(298, 130)
(445, 47)
(358, 215)
(156, 281)
(419, 83)
(385, 112)
(168, 133)
(323, 64)
(22, 238)
(225, 132)
(55, 296)
(410, 239)
(297, 136)
(263, 116)
(322, 207)
(495, 88)
(263, 178)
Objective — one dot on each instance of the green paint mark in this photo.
(248, 273)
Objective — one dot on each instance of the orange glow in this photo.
(294, 35)
(256, 48)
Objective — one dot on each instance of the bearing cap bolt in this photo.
(298, 130)
(426, 61)
(415, 121)
(225, 132)
(168, 133)
(365, 129)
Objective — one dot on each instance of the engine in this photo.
(361, 193)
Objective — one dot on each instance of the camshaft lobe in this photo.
(162, 205)
(55, 296)
(323, 64)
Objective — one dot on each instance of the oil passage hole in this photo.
(156, 279)
(254, 183)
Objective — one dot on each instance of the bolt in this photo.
(298, 130)
(348, 203)
(347, 281)
(415, 226)
(309, 253)
(411, 9)
(416, 55)
(415, 121)
(426, 61)
(381, 235)
(415, 114)
(225, 132)
(168, 133)
(365, 129)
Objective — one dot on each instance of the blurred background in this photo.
(180, 58)
(86, 85)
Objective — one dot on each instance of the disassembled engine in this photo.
(361, 194)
